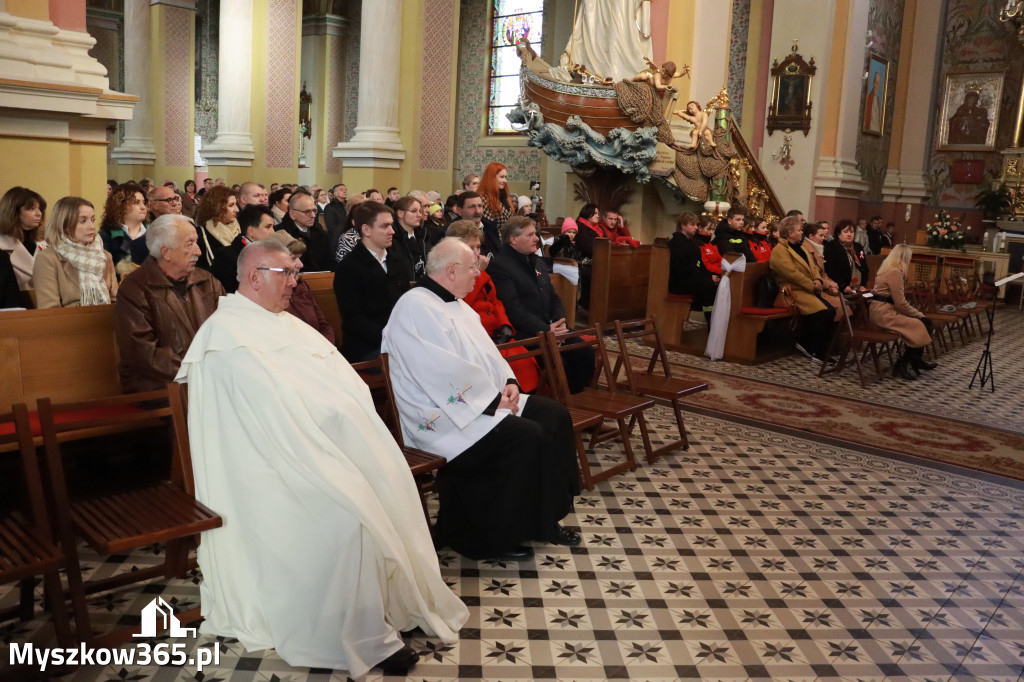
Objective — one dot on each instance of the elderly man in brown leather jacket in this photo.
(161, 305)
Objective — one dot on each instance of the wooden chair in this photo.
(422, 464)
(610, 404)
(922, 296)
(859, 337)
(120, 522)
(664, 387)
(582, 419)
(26, 546)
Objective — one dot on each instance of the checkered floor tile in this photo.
(751, 556)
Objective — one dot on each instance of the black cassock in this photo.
(512, 486)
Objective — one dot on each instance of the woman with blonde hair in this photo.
(76, 270)
(890, 310)
(22, 216)
(216, 224)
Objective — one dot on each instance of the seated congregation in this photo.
(207, 290)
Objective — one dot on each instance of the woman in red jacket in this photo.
(484, 300)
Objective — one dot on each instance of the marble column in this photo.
(137, 146)
(838, 184)
(376, 143)
(905, 179)
(233, 144)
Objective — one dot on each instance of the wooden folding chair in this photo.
(664, 387)
(582, 419)
(26, 546)
(610, 404)
(120, 522)
(859, 338)
(422, 464)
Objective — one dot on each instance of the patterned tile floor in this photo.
(1002, 409)
(754, 556)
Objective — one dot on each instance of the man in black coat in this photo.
(523, 283)
(335, 219)
(300, 222)
(730, 237)
(687, 274)
(368, 282)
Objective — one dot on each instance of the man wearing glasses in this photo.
(300, 222)
(328, 557)
(163, 201)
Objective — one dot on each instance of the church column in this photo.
(376, 143)
(136, 148)
(837, 181)
(106, 27)
(908, 151)
(323, 73)
(233, 143)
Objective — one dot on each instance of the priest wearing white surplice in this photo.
(324, 554)
(511, 474)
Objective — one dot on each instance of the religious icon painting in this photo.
(969, 115)
(876, 86)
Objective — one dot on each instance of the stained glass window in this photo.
(511, 20)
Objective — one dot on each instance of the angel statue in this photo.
(699, 119)
(660, 77)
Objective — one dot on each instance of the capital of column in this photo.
(838, 178)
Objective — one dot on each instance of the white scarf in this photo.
(90, 261)
(723, 306)
(225, 234)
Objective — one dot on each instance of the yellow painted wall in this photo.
(679, 46)
(87, 165)
(44, 165)
(30, 9)
(750, 89)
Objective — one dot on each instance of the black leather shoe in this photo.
(517, 553)
(400, 662)
(921, 363)
(567, 537)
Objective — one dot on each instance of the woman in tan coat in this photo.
(76, 269)
(890, 310)
(799, 274)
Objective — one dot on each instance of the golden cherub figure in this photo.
(660, 77)
(699, 118)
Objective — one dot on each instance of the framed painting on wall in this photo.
(969, 115)
(875, 89)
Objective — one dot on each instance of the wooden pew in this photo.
(566, 291)
(746, 320)
(322, 286)
(618, 282)
(672, 310)
(66, 354)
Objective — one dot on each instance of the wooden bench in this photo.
(747, 321)
(618, 282)
(566, 291)
(322, 286)
(671, 310)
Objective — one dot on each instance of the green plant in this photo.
(993, 202)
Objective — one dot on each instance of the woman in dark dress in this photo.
(845, 262)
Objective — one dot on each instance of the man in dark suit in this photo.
(335, 219)
(368, 282)
(523, 283)
(300, 222)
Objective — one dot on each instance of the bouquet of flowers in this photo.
(946, 232)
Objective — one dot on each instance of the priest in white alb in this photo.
(511, 474)
(325, 554)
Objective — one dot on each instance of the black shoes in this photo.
(902, 368)
(567, 537)
(400, 662)
(517, 553)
